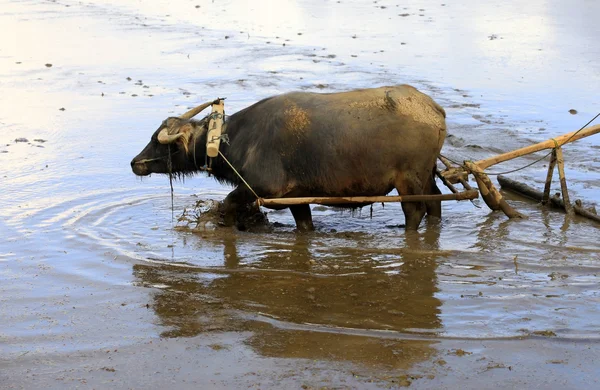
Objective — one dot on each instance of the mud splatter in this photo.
(297, 120)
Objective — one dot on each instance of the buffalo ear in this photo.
(187, 128)
(185, 132)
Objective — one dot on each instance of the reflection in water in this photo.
(493, 232)
(299, 308)
(363, 350)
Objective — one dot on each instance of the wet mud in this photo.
(208, 216)
(103, 284)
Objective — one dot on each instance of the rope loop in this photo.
(223, 137)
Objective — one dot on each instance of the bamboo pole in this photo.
(466, 195)
(546, 194)
(549, 144)
(490, 194)
(560, 161)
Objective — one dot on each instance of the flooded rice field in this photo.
(101, 287)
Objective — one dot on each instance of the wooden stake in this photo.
(549, 144)
(563, 181)
(466, 195)
(546, 194)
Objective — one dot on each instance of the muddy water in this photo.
(97, 285)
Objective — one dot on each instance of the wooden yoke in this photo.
(215, 127)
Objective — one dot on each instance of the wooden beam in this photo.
(530, 192)
(466, 195)
(586, 213)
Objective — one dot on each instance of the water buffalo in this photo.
(359, 143)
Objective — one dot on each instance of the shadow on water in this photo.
(296, 308)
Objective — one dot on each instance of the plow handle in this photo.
(549, 144)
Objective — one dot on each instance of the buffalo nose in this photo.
(132, 163)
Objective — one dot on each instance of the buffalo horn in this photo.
(195, 111)
(165, 138)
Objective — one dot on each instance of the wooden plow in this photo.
(458, 174)
(454, 174)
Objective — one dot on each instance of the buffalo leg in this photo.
(413, 214)
(303, 217)
(434, 207)
(413, 211)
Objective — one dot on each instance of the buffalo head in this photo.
(169, 148)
